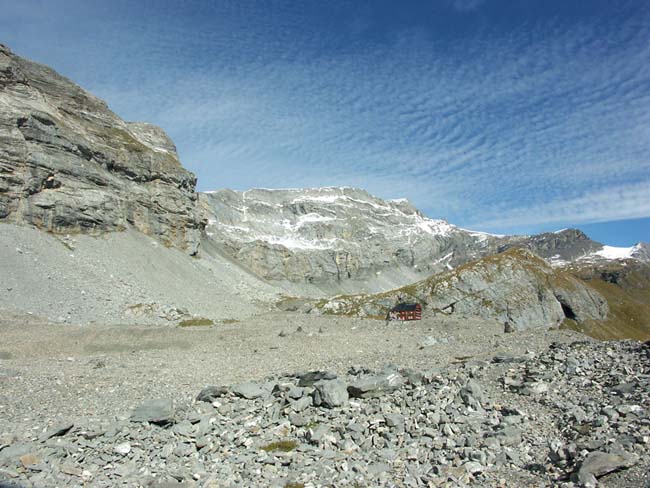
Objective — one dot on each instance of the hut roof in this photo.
(405, 307)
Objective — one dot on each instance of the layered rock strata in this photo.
(337, 234)
(68, 164)
(356, 241)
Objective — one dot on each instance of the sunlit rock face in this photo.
(360, 242)
(337, 234)
(69, 164)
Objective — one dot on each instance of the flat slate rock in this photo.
(160, 411)
(56, 430)
(210, 393)
(308, 379)
(598, 464)
(374, 386)
(15, 451)
(506, 357)
(248, 390)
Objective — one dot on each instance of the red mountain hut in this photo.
(406, 311)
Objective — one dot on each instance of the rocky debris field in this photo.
(122, 277)
(567, 413)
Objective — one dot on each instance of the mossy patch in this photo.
(280, 446)
(569, 324)
(196, 322)
(125, 139)
(629, 317)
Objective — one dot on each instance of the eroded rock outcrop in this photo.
(557, 247)
(516, 287)
(68, 164)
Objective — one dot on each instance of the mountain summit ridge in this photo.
(332, 235)
(70, 165)
(344, 239)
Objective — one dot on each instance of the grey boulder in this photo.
(308, 379)
(209, 393)
(330, 394)
(159, 411)
(56, 430)
(374, 386)
(598, 464)
(248, 390)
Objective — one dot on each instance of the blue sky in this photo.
(499, 115)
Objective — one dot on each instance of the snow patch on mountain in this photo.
(639, 252)
(611, 252)
(352, 240)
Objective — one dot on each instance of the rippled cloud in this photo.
(491, 122)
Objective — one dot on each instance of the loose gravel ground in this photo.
(121, 277)
(58, 364)
(458, 418)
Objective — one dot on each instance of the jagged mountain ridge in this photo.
(356, 241)
(335, 235)
(68, 164)
(558, 247)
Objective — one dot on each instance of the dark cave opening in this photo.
(568, 311)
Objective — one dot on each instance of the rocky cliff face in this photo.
(515, 286)
(337, 235)
(355, 241)
(68, 164)
(625, 284)
(641, 252)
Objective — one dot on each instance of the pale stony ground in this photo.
(121, 277)
(57, 363)
(95, 375)
(71, 351)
